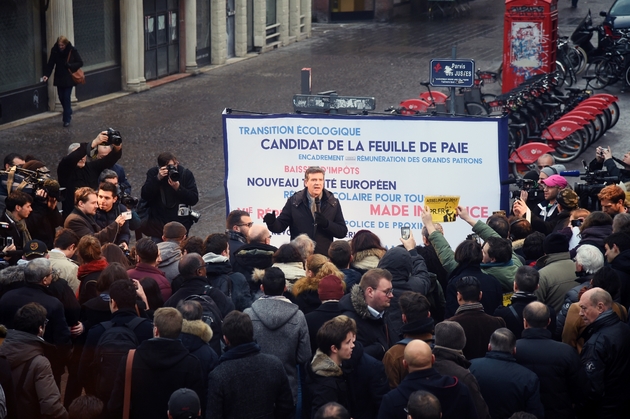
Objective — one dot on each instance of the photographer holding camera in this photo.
(604, 159)
(169, 192)
(74, 171)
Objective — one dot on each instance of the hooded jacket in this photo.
(233, 284)
(297, 215)
(452, 363)
(280, 329)
(306, 295)
(160, 366)
(171, 254)
(453, 396)
(409, 273)
(492, 292)
(195, 337)
(325, 383)
(142, 270)
(376, 335)
(253, 256)
(38, 396)
(292, 272)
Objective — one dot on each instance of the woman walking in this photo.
(64, 58)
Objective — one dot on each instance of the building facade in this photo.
(125, 43)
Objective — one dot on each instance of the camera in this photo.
(594, 182)
(529, 185)
(194, 216)
(576, 223)
(126, 199)
(173, 174)
(113, 137)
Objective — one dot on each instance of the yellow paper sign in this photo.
(443, 208)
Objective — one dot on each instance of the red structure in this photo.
(530, 35)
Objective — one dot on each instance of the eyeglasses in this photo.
(388, 292)
(246, 224)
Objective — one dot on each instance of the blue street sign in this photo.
(452, 73)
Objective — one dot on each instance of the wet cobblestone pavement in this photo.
(384, 60)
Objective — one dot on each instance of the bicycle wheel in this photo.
(583, 60)
(570, 148)
(561, 73)
(627, 76)
(473, 108)
(605, 73)
(569, 78)
(614, 111)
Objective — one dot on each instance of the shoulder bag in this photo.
(78, 77)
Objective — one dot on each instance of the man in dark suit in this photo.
(477, 325)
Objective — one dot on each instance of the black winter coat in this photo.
(325, 383)
(72, 177)
(103, 219)
(316, 319)
(409, 273)
(232, 284)
(160, 366)
(266, 394)
(519, 302)
(253, 256)
(164, 201)
(607, 364)
(557, 365)
(621, 265)
(375, 334)
(59, 61)
(454, 396)
(506, 386)
(367, 383)
(491, 298)
(43, 221)
(297, 215)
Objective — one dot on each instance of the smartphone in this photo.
(405, 232)
(127, 215)
(9, 241)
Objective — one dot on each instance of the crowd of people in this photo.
(525, 319)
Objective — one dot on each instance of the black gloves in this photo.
(269, 218)
(321, 220)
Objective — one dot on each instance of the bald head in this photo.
(189, 264)
(536, 315)
(258, 233)
(593, 303)
(418, 356)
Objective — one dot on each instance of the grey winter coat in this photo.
(39, 396)
(281, 330)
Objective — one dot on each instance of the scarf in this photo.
(26, 235)
(91, 267)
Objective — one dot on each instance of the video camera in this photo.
(594, 182)
(529, 185)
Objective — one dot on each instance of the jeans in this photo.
(64, 97)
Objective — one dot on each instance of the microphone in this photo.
(509, 181)
(570, 173)
(317, 205)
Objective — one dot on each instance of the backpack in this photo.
(112, 346)
(212, 316)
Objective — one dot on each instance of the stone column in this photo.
(282, 17)
(307, 7)
(294, 19)
(218, 35)
(58, 19)
(190, 20)
(240, 43)
(260, 23)
(132, 36)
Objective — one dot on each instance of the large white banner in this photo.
(380, 168)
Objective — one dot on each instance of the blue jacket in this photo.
(506, 386)
(454, 396)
